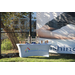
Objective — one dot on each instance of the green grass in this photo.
(52, 58)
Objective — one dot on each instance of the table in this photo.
(26, 50)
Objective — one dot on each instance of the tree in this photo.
(8, 27)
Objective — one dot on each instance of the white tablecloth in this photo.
(26, 50)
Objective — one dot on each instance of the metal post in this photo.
(0, 34)
(30, 27)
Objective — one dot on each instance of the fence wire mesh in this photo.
(15, 28)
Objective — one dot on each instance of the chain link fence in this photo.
(17, 31)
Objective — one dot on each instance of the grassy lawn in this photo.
(9, 51)
(52, 58)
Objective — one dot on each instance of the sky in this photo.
(34, 15)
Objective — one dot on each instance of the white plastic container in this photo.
(26, 50)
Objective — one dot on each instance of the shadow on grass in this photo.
(55, 56)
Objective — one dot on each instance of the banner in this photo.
(59, 29)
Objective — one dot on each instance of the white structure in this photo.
(26, 50)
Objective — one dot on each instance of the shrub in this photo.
(6, 44)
